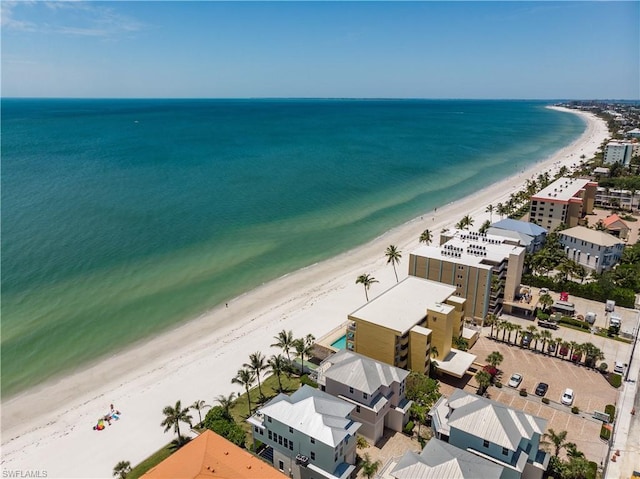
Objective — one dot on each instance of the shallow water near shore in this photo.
(122, 218)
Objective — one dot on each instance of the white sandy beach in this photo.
(50, 429)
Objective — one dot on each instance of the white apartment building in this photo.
(375, 388)
(565, 201)
(618, 152)
(309, 434)
(609, 197)
(595, 250)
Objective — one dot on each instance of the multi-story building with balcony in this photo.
(595, 250)
(375, 388)
(309, 434)
(410, 323)
(507, 437)
(614, 198)
(565, 201)
(618, 152)
(484, 269)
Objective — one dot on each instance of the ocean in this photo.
(124, 218)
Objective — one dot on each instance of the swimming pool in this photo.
(340, 343)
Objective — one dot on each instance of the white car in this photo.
(567, 397)
(515, 380)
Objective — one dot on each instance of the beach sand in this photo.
(49, 429)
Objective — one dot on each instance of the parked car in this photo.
(544, 291)
(526, 340)
(541, 389)
(567, 397)
(551, 347)
(618, 368)
(515, 380)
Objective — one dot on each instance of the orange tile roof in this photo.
(210, 456)
(609, 220)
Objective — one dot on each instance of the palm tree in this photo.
(483, 378)
(303, 346)
(369, 467)
(284, 341)
(546, 336)
(501, 210)
(366, 280)
(256, 365)
(518, 329)
(490, 210)
(484, 227)
(277, 366)
(393, 255)
(122, 469)
(174, 416)
(545, 300)
(434, 364)
(506, 327)
(226, 402)
(495, 358)
(558, 440)
(426, 237)
(572, 451)
(491, 320)
(199, 405)
(245, 377)
(573, 345)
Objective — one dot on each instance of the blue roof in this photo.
(525, 227)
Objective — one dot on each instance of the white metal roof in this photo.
(563, 189)
(596, 237)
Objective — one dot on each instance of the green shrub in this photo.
(217, 420)
(362, 442)
(610, 409)
(575, 410)
(545, 400)
(605, 434)
(593, 470)
(542, 316)
(304, 379)
(498, 384)
(523, 392)
(603, 367)
(615, 380)
(575, 323)
(408, 429)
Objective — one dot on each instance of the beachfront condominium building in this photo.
(309, 434)
(375, 388)
(618, 152)
(614, 198)
(410, 323)
(595, 250)
(484, 269)
(564, 202)
(507, 437)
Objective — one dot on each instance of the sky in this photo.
(202, 49)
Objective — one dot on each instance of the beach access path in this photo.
(49, 429)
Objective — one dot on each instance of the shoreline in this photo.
(49, 427)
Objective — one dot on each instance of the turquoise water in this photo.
(123, 218)
(340, 343)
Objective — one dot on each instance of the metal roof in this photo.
(596, 237)
(440, 460)
(314, 413)
(362, 373)
(563, 189)
(524, 227)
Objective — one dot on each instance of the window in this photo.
(350, 390)
(313, 441)
(485, 443)
(505, 451)
(290, 429)
(261, 432)
(365, 395)
(281, 465)
(270, 435)
(357, 408)
(268, 419)
(286, 443)
(255, 428)
(280, 440)
(291, 445)
(313, 455)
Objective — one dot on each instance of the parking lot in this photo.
(591, 389)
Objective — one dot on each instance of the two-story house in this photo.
(505, 436)
(309, 435)
(375, 388)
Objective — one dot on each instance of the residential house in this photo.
(564, 202)
(212, 456)
(410, 323)
(595, 250)
(375, 388)
(484, 269)
(309, 434)
(616, 226)
(530, 235)
(441, 460)
(491, 430)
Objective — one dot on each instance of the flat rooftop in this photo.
(563, 189)
(472, 249)
(405, 304)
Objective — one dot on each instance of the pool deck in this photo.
(332, 336)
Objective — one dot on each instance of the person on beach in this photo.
(114, 413)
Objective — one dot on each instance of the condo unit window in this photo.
(270, 435)
(280, 440)
(365, 395)
(268, 419)
(291, 430)
(351, 390)
(505, 451)
(291, 445)
(286, 442)
(281, 465)
(485, 443)
(357, 408)
(534, 202)
(255, 428)
(313, 441)
(313, 455)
